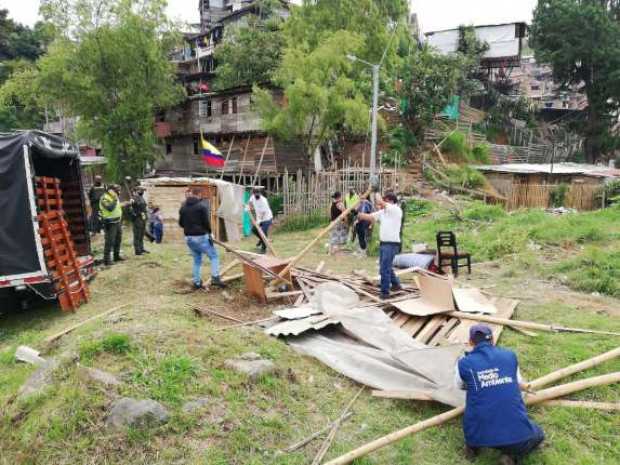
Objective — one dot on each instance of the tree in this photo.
(428, 81)
(250, 54)
(580, 39)
(320, 97)
(110, 67)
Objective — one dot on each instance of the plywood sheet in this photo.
(473, 301)
(435, 297)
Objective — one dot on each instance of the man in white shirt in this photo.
(389, 217)
(264, 216)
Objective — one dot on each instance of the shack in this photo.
(226, 201)
(532, 185)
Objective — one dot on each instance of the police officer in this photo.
(139, 216)
(111, 215)
(94, 195)
(495, 414)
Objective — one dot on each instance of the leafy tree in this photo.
(109, 66)
(249, 55)
(428, 80)
(320, 97)
(581, 39)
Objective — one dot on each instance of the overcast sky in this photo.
(434, 14)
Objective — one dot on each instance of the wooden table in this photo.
(254, 280)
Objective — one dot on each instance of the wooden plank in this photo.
(440, 337)
(65, 331)
(431, 327)
(414, 325)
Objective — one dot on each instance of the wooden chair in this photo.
(448, 254)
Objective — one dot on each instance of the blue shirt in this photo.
(495, 414)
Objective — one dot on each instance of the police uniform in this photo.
(111, 216)
(495, 414)
(139, 214)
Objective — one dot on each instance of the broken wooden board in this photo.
(473, 301)
(435, 297)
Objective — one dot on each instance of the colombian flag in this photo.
(210, 155)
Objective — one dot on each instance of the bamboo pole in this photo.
(537, 398)
(318, 237)
(604, 406)
(53, 337)
(527, 324)
(313, 436)
(261, 234)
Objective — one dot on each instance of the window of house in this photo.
(205, 109)
(234, 104)
(168, 149)
(225, 106)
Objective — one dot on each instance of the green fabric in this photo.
(247, 222)
(452, 110)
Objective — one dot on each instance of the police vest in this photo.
(495, 413)
(110, 207)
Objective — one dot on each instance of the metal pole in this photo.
(375, 106)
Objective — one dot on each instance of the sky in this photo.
(433, 15)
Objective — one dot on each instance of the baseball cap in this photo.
(480, 330)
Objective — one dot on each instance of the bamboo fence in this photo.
(310, 194)
(578, 196)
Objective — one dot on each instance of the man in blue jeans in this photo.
(194, 218)
(495, 414)
(389, 215)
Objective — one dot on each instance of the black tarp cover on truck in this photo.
(56, 157)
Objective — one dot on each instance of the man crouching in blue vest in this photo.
(495, 414)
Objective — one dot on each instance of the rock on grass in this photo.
(134, 412)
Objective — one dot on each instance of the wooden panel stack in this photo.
(58, 246)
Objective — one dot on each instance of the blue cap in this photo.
(484, 330)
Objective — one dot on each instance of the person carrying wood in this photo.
(194, 218)
(389, 216)
(264, 216)
(495, 414)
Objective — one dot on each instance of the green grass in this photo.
(595, 270)
(160, 349)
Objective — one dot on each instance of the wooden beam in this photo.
(53, 337)
(604, 406)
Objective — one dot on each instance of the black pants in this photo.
(113, 237)
(139, 228)
(519, 450)
(362, 234)
(95, 221)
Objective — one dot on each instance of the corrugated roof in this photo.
(547, 168)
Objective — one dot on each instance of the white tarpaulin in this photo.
(502, 39)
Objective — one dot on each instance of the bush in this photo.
(415, 207)
(276, 201)
(465, 176)
(482, 212)
(595, 271)
(558, 195)
(481, 154)
(302, 222)
(456, 144)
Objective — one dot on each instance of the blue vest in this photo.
(495, 413)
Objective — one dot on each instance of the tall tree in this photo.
(250, 54)
(110, 67)
(580, 39)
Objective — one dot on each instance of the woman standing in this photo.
(339, 233)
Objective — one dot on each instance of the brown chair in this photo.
(448, 254)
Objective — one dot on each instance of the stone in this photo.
(254, 369)
(250, 356)
(193, 405)
(135, 412)
(100, 376)
(40, 379)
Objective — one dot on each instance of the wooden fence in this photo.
(578, 196)
(313, 193)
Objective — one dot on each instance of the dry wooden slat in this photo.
(441, 337)
(431, 327)
(604, 406)
(414, 325)
(82, 323)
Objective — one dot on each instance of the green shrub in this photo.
(594, 271)
(417, 207)
(113, 343)
(481, 153)
(276, 201)
(456, 144)
(302, 222)
(558, 195)
(465, 176)
(479, 211)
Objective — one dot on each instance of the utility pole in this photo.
(375, 110)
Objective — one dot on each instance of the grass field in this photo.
(161, 350)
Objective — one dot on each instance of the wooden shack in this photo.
(528, 185)
(168, 194)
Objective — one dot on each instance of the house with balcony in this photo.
(225, 117)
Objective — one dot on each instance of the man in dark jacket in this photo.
(139, 215)
(94, 195)
(495, 414)
(194, 218)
